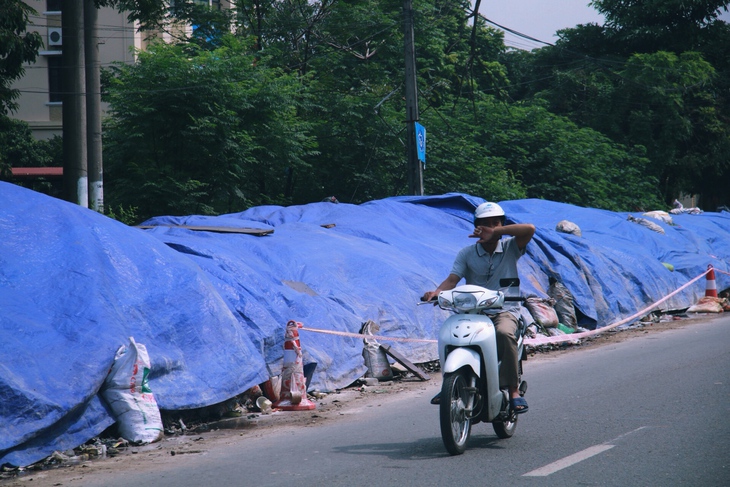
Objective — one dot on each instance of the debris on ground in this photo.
(710, 304)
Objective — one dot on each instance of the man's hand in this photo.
(429, 295)
(484, 234)
(449, 283)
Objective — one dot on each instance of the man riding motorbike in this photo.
(485, 264)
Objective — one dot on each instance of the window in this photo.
(54, 5)
(215, 4)
(54, 79)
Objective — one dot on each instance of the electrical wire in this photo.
(514, 32)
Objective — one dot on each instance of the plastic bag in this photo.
(708, 304)
(683, 211)
(679, 209)
(646, 223)
(564, 226)
(543, 312)
(375, 358)
(127, 391)
(564, 303)
(661, 216)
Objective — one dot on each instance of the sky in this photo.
(538, 18)
(541, 18)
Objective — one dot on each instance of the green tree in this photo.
(18, 148)
(654, 76)
(658, 25)
(347, 56)
(201, 131)
(356, 86)
(559, 161)
(513, 151)
(666, 105)
(306, 102)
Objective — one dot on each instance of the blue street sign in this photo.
(421, 142)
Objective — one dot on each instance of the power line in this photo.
(514, 32)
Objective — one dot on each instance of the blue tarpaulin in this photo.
(211, 306)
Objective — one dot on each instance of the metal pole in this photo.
(415, 171)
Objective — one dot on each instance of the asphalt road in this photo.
(649, 411)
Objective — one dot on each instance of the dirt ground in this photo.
(70, 468)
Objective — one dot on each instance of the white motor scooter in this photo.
(467, 346)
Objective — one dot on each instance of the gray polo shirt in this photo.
(474, 264)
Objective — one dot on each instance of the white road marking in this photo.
(568, 461)
(576, 457)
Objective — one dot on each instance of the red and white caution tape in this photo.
(575, 336)
(528, 341)
(368, 337)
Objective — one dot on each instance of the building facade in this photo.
(40, 88)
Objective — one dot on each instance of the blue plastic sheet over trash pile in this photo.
(211, 306)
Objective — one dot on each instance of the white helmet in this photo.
(487, 210)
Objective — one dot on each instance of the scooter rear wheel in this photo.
(454, 412)
(505, 429)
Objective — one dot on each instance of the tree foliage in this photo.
(305, 101)
(654, 25)
(199, 131)
(654, 76)
(18, 148)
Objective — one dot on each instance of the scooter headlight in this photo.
(443, 302)
(465, 301)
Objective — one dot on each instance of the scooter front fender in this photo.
(459, 357)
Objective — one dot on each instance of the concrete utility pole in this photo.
(415, 171)
(73, 82)
(93, 106)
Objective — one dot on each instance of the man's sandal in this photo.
(518, 405)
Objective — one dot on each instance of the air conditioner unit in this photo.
(54, 36)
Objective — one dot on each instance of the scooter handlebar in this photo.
(515, 298)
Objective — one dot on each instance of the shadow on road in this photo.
(423, 449)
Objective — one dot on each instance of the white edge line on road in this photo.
(575, 458)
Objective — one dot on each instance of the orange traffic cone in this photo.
(293, 395)
(711, 289)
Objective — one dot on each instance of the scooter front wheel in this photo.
(454, 410)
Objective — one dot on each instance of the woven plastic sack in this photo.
(375, 358)
(564, 304)
(127, 391)
(542, 311)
